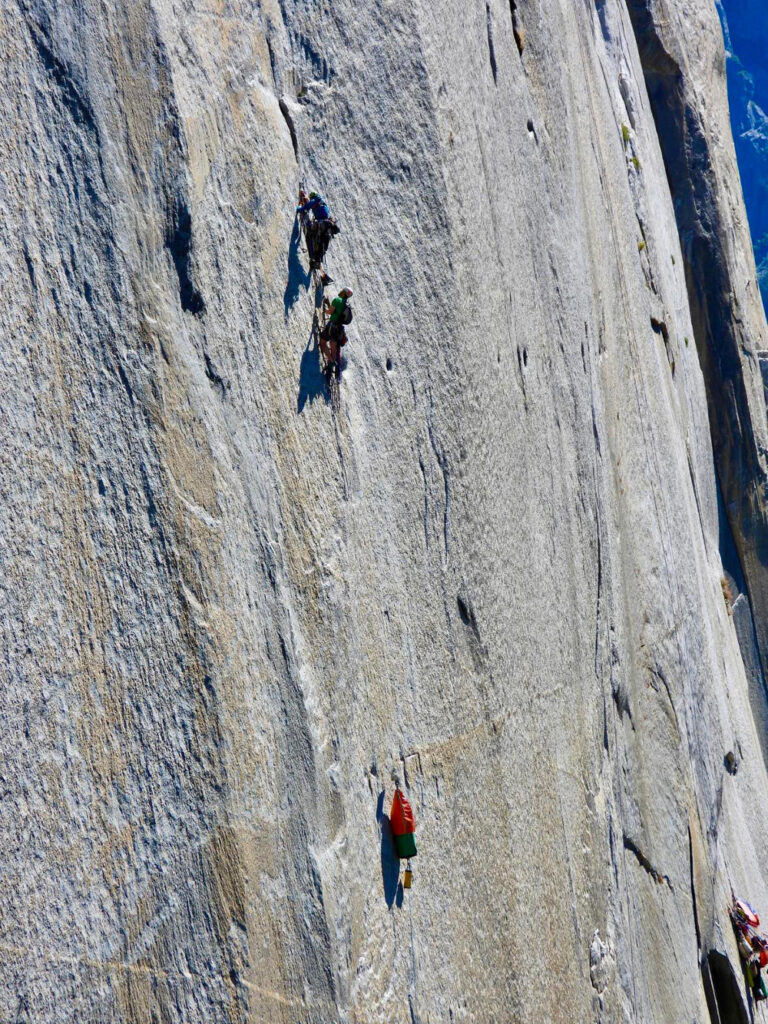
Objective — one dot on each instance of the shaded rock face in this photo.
(233, 614)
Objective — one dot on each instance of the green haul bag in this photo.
(405, 845)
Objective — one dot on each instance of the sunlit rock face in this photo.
(519, 568)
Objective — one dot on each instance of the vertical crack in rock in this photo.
(124, 381)
(179, 243)
(30, 267)
(491, 51)
(598, 590)
(288, 118)
(660, 327)
(693, 890)
(272, 60)
(172, 173)
(695, 490)
(467, 615)
(443, 464)
(645, 864)
(215, 378)
(71, 94)
(620, 691)
(73, 99)
(658, 675)
(316, 65)
(425, 511)
(476, 646)
(517, 29)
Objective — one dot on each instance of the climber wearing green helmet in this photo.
(333, 337)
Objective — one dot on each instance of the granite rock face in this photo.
(502, 572)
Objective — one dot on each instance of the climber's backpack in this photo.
(335, 229)
(346, 316)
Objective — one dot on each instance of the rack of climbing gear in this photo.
(753, 945)
(403, 828)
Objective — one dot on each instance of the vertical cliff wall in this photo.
(233, 615)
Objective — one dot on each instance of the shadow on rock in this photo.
(390, 865)
(311, 376)
(298, 277)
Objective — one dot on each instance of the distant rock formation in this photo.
(745, 28)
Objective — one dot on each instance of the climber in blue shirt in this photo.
(316, 205)
(319, 230)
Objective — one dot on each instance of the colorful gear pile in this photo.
(753, 946)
